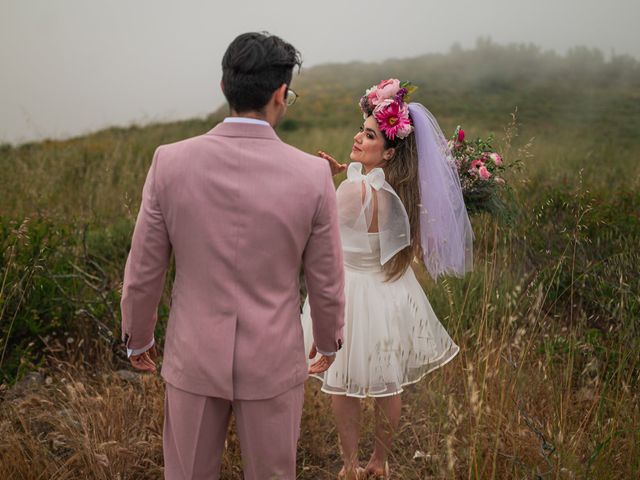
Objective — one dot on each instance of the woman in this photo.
(407, 204)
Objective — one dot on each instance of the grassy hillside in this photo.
(580, 109)
(547, 381)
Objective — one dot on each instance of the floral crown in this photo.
(387, 102)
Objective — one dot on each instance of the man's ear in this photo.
(221, 86)
(280, 95)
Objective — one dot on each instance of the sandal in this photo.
(377, 475)
(360, 474)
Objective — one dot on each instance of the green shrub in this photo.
(57, 280)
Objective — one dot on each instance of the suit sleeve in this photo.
(144, 273)
(324, 271)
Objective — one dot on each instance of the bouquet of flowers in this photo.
(480, 169)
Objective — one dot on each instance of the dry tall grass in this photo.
(509, 406)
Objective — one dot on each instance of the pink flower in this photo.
(385, 90)
(497, 159)
(484, 173)
(460, 135)
(388, 88)
(372, 96)
(405, 129)
(499, 180)
(393, 119)
(476, 164)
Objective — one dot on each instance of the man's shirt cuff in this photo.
(326, 354)
(138, 351)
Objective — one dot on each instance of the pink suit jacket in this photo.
(241, 211)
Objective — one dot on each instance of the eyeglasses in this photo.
(291, 97)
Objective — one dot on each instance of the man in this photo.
(241, 211)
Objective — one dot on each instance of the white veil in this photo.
(445, 230)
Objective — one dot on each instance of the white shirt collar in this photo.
(253, 121)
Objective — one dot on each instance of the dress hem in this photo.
(424, 374)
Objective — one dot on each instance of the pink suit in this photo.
(241, 211)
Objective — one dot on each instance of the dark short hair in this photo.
(254, 66)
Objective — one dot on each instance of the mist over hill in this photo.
(581, 100)
(485, 84)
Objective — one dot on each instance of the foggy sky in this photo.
(72, 66)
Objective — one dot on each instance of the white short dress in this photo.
(392, 337)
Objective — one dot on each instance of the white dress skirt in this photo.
(392, 337)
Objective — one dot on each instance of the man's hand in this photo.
(323, 363)
(336, 167)
(144, 361)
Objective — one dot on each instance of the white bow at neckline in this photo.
(375, 178)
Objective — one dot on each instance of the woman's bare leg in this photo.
(387, 418)
(346, 411)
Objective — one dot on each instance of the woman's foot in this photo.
(377, 470)
(356, 473)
